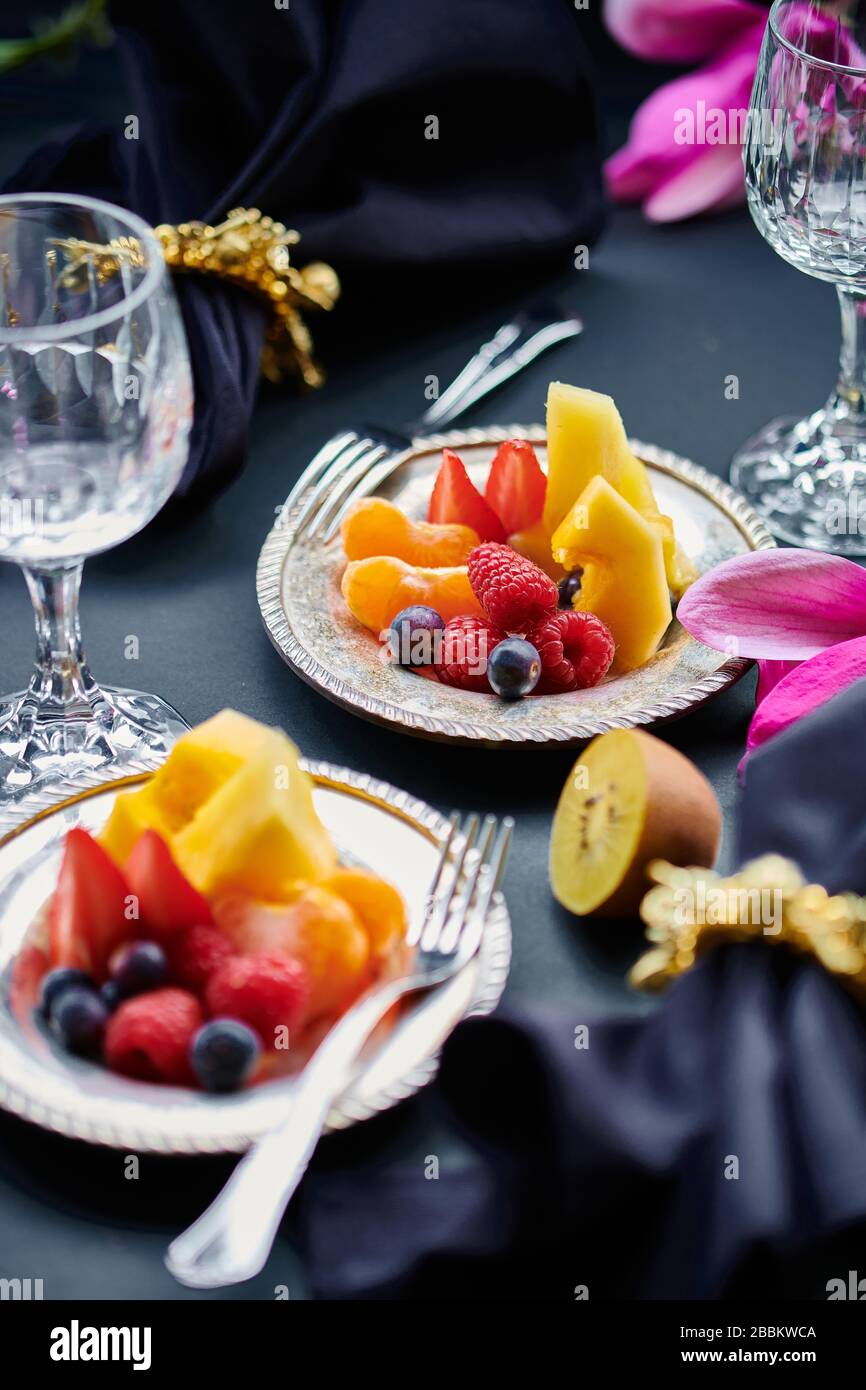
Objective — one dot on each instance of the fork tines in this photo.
(468, 873)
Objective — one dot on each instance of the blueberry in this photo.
(413, 634)
(78, 1021)
(513, 668)
(56, 982)
(223, 1053)
(568, 587)
(110, 995)
(141, 967)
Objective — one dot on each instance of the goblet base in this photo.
(44, 760)
(807, 479)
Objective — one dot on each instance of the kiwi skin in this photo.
(683, 823)
(679, 819)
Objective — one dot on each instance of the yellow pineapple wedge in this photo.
(235, 808)
(586, 438)
(623, 580)
(259, 832)
(203, 760)
(534, 543)
(131, 814)
(200, 762)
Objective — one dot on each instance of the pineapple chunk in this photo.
(259, 831)
(202, 761)
(132, 813)
(586, 437)
(624, 578)
(535, 545)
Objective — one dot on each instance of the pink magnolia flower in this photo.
(671, 177)
(799, 613)
(684, 152)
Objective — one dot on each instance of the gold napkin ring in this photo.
(691, 910)
(253, 251)
(246, 249)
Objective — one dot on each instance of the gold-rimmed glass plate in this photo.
(372, 824)
(298, 584)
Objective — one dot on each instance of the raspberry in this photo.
(195, 954)
(266, 991)
(149, 1036)
(576, 650)
(465, 648)
(514, 593)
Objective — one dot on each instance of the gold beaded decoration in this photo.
(691, 910)
(253, 251)
(248, 249)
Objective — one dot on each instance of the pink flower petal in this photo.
(713, 180)
(678, 31)
(804, 689)
(769, 675)
(777, 605)
(678, 127)
(630, 173)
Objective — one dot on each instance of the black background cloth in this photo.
(317, 115)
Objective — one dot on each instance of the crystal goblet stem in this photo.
(62, 687)
(848, 402)
(95, 415)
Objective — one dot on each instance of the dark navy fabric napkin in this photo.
(715, 1147)
(319, 113)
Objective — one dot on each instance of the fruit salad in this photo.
(542, 583)
(209, 935)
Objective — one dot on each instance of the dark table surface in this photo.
(670, 313)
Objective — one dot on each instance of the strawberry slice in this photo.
(456, 498)
(516, 486)
(167, 902)
(31, 964)
(87, 918)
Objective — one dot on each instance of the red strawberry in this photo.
(267, 991)
(30, 965)
(87, 918)
(148, 1037)
(197, 953)
(514, 593)
(167, 902)
(465, 648)
(516, 486)
(576, 650)
(456, 498)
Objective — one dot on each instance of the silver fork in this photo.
(353, 464)
(231, 1241)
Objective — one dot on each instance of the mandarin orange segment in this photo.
(319, 928)
(376, 589)
(375, 526)
(329, 940)
(378, 905)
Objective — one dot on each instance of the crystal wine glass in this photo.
(95, 414)
(805, 161)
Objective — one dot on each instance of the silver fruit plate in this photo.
(373, 825)
(298, 583)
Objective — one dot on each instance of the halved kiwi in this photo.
(629, 799)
